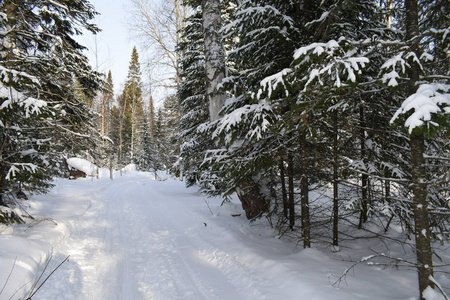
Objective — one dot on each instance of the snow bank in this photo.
(82, 165)
(24, 253)
(20, 261)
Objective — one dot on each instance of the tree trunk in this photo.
(306, 227)
(335, 181)
(214, 56)
(422, 227)
(421, 221)
(2, 188)
(364, 177)
(283, 189)
(253, 202)
(291, 202)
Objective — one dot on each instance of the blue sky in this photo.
(113, 44)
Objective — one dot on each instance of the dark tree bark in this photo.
(253, 202)
(422, 227)
(335, 181)
(364, 177)
(291, 202)
(306, 227)
(283, 189)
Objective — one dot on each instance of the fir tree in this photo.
(191, 95)
(132, 112)
(42, 118)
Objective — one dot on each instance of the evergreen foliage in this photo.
(43, 114)
(129, 115)
(348, 94)
(191, 95)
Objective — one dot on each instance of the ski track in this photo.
(137, 240)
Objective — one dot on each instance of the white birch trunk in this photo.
(214, 56)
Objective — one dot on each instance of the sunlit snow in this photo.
(138, 238)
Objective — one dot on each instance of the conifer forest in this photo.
(328, 121)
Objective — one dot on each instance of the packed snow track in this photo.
(136, 238)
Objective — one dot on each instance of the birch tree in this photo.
(214, 56)
(157, 26)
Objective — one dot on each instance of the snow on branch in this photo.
(15, 75)
(429, 99)
(399, 63)
(31, 105)
(330, 63)
(270, 83)
(256, 116)
(17, 167)
(334, 62)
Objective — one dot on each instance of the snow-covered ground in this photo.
(138, 238)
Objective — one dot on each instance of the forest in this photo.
(275, 101)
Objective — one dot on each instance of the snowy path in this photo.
(137, 238)
(144, 239)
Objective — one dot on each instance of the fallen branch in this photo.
(35, 222)
(367, 260)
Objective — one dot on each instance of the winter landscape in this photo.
(135, 237)
(245, 149)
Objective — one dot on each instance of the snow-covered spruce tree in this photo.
(356, 26)
(171, 114)
(101, 148)
(41, 117)
(330, 110)
(195, 102)
(262, 35)
(131, 111)
(148, 156)
(107, 98)
(191, 95)
(115, 133)
(422, 57)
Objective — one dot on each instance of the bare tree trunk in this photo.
(2, 187)
(291, 203)
(422, 227)
(335, 181)
(421, 221)
(283, 189)
(253, 202)
(364, 177)
(214, 56)
(306, 224)
(390, 16)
